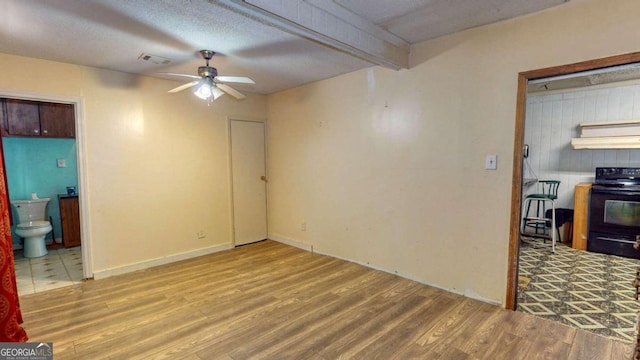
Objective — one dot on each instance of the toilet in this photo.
(32, 226)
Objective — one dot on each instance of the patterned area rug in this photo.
(586, 290)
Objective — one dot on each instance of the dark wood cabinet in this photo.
(35, 118)
(57, 120)
(70, 219)
(22, 118)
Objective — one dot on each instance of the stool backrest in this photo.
(549, 188)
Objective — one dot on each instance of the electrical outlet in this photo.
(201, 234)
(303, 226)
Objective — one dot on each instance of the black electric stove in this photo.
(614, 212)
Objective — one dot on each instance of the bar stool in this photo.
(548, 193)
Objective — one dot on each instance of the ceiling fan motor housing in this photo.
(207, 71)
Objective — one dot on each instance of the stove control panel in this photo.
(614, 173)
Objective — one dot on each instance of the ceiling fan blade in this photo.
(231, 91)
(235, 79)
(184, 86)
(182, 75)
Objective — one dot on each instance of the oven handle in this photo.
(616, 240)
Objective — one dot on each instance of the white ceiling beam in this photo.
(330, 24)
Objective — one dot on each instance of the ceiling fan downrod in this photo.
(207, 71)
(207, 55)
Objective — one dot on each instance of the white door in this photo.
(249, 181)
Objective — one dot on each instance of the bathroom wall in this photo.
(31, 165)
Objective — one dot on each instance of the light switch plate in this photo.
(491, 162)
(62, 163)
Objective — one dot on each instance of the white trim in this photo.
(101, 274)
(83, 198)
(291, 242)
(230, 189)
(81, 154)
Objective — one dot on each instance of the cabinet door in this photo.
(70, 219)
(57, 120)
(22, 118)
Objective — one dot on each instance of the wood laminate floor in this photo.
(272, 301)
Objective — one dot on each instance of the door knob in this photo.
(263, 178)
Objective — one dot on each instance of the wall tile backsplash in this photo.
(553, 119)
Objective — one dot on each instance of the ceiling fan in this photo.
(209, 84)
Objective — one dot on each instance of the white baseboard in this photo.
(467, 293)
(101, 274)
(291, 242)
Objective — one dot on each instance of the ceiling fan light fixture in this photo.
(208, 90)
(208, 85)
(203, 91)
(215, 92)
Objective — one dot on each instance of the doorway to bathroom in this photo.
(41, 165)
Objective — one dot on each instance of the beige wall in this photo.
(387, 168)
(157, 163)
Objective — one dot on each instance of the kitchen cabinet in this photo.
(36, 118)
(70, 219)
(581, 216)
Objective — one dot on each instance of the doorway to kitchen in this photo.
(551, 103)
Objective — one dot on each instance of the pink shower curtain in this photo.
(10, 315)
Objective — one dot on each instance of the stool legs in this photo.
(539, 220)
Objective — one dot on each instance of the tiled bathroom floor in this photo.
(60, 267)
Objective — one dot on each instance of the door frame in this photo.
(230, 166)
(81, 151)
(516, 183)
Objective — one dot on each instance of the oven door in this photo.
(614, 222)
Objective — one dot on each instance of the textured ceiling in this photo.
(113, 34)
(420, 20)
